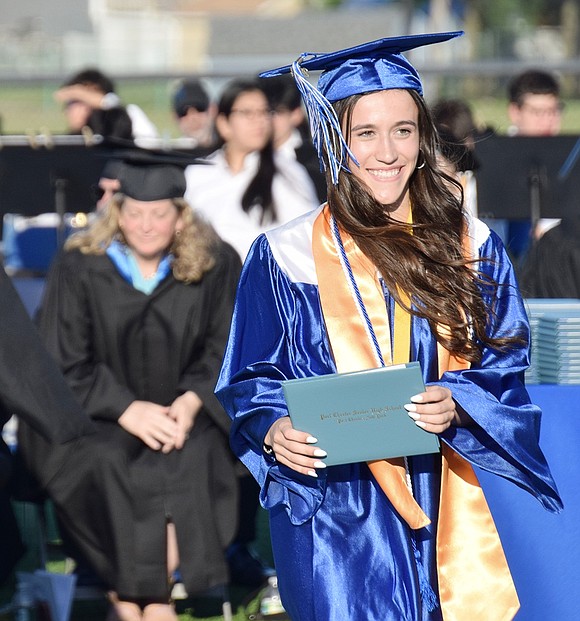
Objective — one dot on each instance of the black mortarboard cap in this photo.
(111, 169)
(151, 174)
(152, 182)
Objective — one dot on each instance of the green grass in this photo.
(31, 108)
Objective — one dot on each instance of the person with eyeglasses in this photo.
(534, 110)
(551, 267)
(248, 188)
(535, 107)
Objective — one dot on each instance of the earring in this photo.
(423, 164)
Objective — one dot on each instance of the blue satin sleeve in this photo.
(274, 336)
(505, 439)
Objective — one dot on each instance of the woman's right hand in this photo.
(294, 448)
(78, 92)
(150, 423)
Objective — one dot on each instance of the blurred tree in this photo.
(570, 19)
(323, 4)
(497, 14)
(506, 13)
(500, 19)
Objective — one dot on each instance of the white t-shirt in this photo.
(289, 147)
(216, 193)
(143, 127)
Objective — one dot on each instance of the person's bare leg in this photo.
(172, 550)
(159, 612)
(123, 611)
(165, 612)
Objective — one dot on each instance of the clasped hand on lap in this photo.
(161, 427)
(433, 410)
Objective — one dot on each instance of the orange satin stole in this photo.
(474, 579)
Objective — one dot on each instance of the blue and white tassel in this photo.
(324, 123)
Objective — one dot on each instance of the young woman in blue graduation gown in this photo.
(394, 541)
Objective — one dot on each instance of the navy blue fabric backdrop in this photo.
(543, 549)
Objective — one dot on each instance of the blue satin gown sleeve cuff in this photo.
(505, 438)
(249, 386)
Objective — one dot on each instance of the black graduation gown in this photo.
(552, 267)
(116, 345)
(32, 387)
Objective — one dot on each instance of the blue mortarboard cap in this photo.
(373, 66)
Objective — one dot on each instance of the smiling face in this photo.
(149, 227)
(384, 138)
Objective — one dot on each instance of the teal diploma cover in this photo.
(360, 416)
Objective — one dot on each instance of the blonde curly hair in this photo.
(193, 248)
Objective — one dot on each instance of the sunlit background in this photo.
(145, 45)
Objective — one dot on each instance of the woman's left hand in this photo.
(434, 410)
(183, 411)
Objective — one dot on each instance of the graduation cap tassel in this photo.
(428, 596)
(324, 123)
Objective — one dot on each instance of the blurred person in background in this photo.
(535, 106)
(33, 389)
(136, 312)
(456, 116)
(456, 125)
(108, 184)
(534, 109)
(194, 112)
(291, 135)
(91, 92)
(248, 188)
(551, 267)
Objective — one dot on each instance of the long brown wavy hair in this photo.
(430, 267)
(193, 249)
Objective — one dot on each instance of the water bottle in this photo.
(271, 604)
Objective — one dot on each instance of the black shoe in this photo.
(246, 568)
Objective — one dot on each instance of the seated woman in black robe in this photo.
(137, 312)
